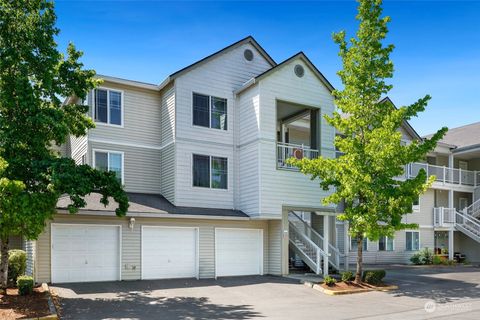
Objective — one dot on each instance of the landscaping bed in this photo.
(351, 287)
(15, 306)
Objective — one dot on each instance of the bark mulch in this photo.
(14, 306)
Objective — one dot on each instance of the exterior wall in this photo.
(218, 77)
(141, 118)
(79, 146)
(283, 187)
(188, 195)
(131, 242)
(167, 177)
(399, 254)
(168, 115)
(30, 248)
(275, 252)
(141, 166)
(424, 217)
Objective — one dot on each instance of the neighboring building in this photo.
(202, 157)
(447, 213)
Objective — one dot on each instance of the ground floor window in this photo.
(385, 244)
(412, 241)
(354, 247)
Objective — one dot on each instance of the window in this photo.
(210, 172)
(109, 161)
(354, 247)
(416, 205)
(385, 244)
(210, 112)
(108, 106)
(412, 241)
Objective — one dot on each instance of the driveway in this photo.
(446, 293)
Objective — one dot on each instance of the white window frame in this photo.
(419, 241)
(364, 239)
(416, 208)
(210, 112)
(108, 152)
(94, 103)
(210, 177)
(386, 244)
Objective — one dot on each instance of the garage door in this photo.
(83, 253)
(239, 252)
(169, 252)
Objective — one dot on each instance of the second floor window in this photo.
(210, 112)
(210, 172)
(109, 161)
(108, 106)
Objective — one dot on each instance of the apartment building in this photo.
(202, 156)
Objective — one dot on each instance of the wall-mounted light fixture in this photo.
(131, 223)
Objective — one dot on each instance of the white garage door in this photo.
(239, 252)
(169, 252)
(83, 253)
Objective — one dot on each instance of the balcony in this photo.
(445, 175)
(287, 150)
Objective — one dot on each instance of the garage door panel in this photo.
(239, 252)
(169, 252)
(85, 253)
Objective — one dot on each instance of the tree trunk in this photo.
(358, 274)
(4, 264)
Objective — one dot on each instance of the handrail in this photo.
(286, 151)
(474, 222)
(316, 233)
(444, 174)
(473, 209)
(303, 236)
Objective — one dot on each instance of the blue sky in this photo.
(437, 42)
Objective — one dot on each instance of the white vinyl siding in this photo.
(141, 169)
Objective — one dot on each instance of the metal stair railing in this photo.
(312, 252)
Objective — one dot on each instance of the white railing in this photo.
(444, 174)
(333, 252)
(471, 225)
(473, 209)
(444, 217)
(286, 151)
(311, 251)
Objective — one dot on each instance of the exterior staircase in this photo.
(473, 210)
(464, 221)
(308, 244)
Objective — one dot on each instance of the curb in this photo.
(53, 311)
(344, 292)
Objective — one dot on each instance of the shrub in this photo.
(416, 259)
(329, 281)
(347, 276)
(437, 260)
(17, 263)
(425, 256)
(25, 285)
(373, 276)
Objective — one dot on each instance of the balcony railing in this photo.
(444, 174)
(287, 150)
(443, 217)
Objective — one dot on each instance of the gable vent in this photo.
(248, 55)
(299, 71)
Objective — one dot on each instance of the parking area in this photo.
(424, 293)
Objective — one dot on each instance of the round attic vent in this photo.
(248, 54)
(299, 70)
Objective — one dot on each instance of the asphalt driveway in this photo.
(424, 293)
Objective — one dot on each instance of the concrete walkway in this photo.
(425, 293)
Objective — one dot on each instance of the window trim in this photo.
(94, 109)
(419, 241)
(210, 177)
(210, 111)
(108, 160)
(416, 208)
(386, 244)
(364, 239)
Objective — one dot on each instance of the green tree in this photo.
(364, 177)
(34, 76)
